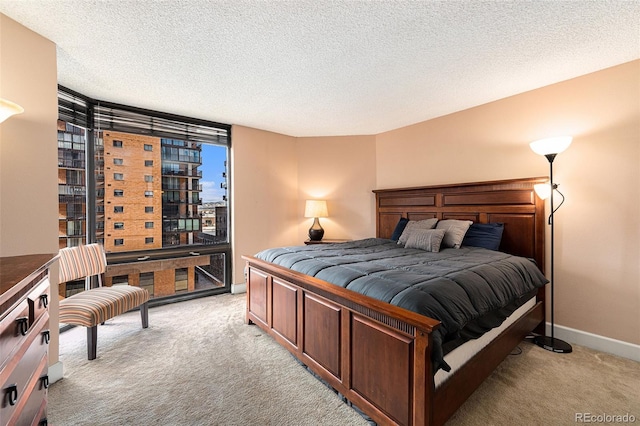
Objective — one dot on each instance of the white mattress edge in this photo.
(460, 355)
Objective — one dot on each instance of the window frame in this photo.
(80, 110)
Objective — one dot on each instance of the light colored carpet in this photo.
(199, 364)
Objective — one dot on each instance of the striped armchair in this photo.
(96, 305)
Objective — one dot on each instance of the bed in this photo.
(382, 357)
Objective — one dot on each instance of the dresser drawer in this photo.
(11, 336)
(38, 300)
(32, 407)
(22, 376)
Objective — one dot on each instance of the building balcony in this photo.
(77, 198)
(182, 201)
(71, 190)
(182, 173)
(71, 164)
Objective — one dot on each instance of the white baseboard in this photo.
(594, 341)
(239, 288)
(55, 372)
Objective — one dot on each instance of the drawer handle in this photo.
(45, 381)
(46, 335)
(12, 394)
(23, 325)
(44, 298)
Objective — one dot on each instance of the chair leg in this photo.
(92, 341)
(144, 314)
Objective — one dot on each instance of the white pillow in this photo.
(454, 231)
(426, 239)
(416, 224)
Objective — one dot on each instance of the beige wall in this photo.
(340, 170)
(274, 174)
(29, 151)
(264, 193)
(598, 228)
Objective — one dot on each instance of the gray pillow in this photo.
(454, 231)
(416, 224)
(426, 239)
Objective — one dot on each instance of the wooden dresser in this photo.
(24, 338)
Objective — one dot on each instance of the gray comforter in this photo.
(469, 290)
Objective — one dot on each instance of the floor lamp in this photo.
(551, 147)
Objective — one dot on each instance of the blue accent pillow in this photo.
(402, 223)
(486, 235)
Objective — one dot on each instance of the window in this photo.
(75, 227)
(120, 280)
(146, 282)
(182, 279)
(190, 153)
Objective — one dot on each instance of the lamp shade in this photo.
(543, 190)
(316, 208)
(553, 145)
(8, 108)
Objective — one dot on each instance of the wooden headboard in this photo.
(512, 202)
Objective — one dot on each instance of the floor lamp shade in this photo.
(316, 209)
(550, 147)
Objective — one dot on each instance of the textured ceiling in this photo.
(314, 68)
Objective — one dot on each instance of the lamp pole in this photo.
(551, 343)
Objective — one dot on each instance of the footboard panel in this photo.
(391, 352)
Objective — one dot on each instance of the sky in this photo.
(213, 158)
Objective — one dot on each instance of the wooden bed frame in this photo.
(376, 354)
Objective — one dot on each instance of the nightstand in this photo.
(325, 241)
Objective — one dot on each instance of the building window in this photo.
(148, 240)
(146, 282)
(148, 194)
(118, 193)
(118, 209)
(148, 225)
(118, 242)
(182, 279)
(148, 147)
(118, 161)
(120, 280)
(118, 176)
(117, 144)
(148, 163)
(148, 178)
(148, 209)
(118, 225)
